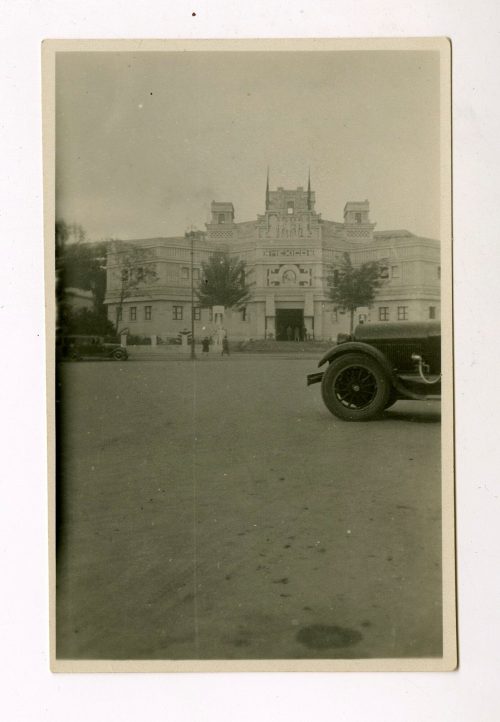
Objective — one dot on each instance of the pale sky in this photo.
(145, 141)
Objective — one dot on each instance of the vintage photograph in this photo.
(249, 264)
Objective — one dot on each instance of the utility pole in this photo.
(192, 235)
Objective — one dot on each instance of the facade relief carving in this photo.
(289, 275)
(288, 227)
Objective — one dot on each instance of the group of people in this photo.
(205, 345)
(296, 334)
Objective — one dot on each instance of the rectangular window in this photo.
(222, 217)
(210, 314)
(196, 274)
(133, 313)
(197, 313)
(402, 313)
(395, 273)
(177, 313)
(432, 312)
(119, 314)
(244, 314)
(289, 208)
(383, 313)
(357, 217)
(147, 313)
(184, 272)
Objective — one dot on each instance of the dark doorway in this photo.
(289, 322)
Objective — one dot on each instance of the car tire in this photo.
(119, 355)
(355, 387)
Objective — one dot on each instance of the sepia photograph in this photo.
(250, 368)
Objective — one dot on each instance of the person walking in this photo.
(296, 335)
(205, 345)
(225, 346)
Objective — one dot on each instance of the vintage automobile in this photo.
(76, 348)
(379, 364)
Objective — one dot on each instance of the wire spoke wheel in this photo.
(355, 387)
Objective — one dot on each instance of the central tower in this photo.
(289, 215)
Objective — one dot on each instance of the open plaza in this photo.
(214, 509)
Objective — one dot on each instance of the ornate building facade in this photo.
(289, 251)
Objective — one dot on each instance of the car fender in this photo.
(358, 347)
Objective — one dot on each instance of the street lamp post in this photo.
(192, 236)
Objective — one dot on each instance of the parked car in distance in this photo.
(76, 348)
(378, 365)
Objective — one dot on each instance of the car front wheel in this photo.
(355, 387)
(119, 355)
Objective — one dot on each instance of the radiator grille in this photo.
(400, 353)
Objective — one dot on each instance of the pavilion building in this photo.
(290, 251)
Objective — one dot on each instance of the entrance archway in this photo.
(289, 321)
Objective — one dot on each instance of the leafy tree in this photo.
(79, 264)
(354, 287)
(85, 267)
(61, 238)
(134, 271)
(223, 282)
(87, 321)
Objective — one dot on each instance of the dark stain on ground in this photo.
(228, 576)
(324, 636)
(322, 550)
(366, 623)
(281, 581)
(282, 478)
(307, 609)
(285, 595)
(241, 643)
(287, 546)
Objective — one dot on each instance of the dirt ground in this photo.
(216, 510)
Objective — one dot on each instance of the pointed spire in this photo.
(309, 191)
(267, 190)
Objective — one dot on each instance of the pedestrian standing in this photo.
(297, 334)
(289, 333)
(205, 345)
(225, 346)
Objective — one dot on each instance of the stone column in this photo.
(318, 320)
(260, 310)
(270, 316)
(309, 314)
